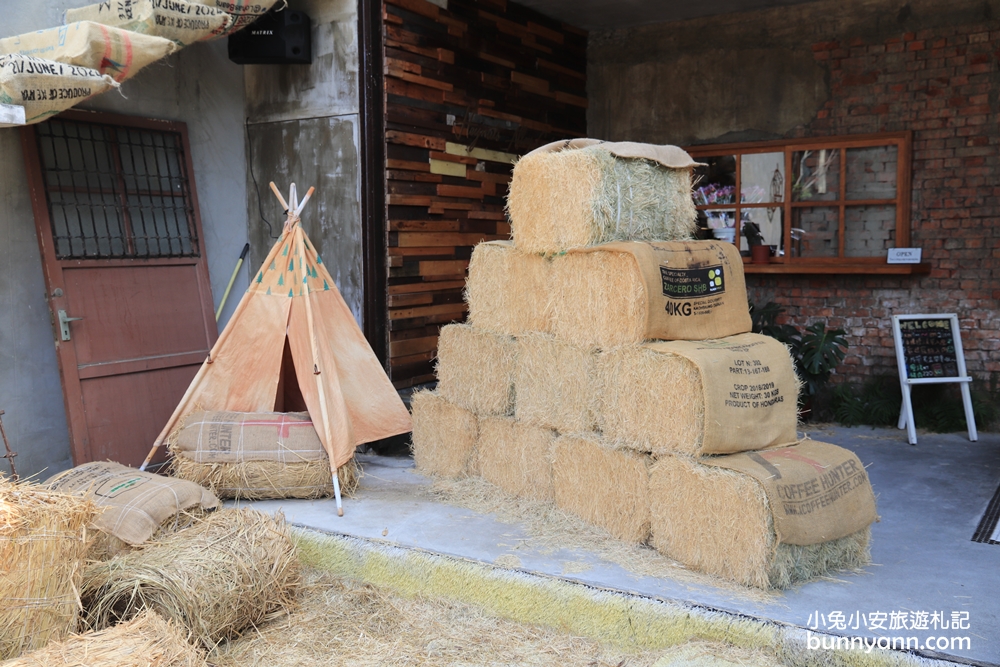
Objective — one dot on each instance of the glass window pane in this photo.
(762, 177)
(869, 231)
(768, 221)
(715, 183)
(871, 172)
(816, 175)
(815, 232)
(723, 224)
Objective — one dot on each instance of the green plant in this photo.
(875, 402)
(816, 351)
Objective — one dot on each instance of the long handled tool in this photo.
(10, 455)
(232, 279)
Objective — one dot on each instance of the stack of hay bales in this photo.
(608, 367)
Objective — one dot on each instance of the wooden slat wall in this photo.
(490, 76)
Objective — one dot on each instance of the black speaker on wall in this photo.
(276, 38)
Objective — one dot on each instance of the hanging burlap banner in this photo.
(181, 22)
(45, 88)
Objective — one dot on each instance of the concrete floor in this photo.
(930, 499)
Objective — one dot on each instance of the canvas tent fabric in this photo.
(293, 298)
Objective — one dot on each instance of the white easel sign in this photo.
(929, 351)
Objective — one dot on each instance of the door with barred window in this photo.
(125, 271)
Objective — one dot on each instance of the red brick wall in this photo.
(944, 85)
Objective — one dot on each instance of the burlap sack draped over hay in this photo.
(43, 541)
(603, 486)
(256, 455)
(224, 574)
(145, 641)
(699, 397)
(766, 519)
(112, 51)
(584, 192)
(508, 290)
(554, 384)
(136, 505)
(625, 293)
(45, 88)
(516, 457)
(475, 369)
(181, 22)
(444, 436)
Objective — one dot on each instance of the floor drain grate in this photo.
(988, 530)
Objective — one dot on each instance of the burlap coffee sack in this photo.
(177, 20)
(45, 88)
(699, 397)
(136, 502)
(113, 51)
(817, 491)
(628, 292)
(235, 437)
(244, 12)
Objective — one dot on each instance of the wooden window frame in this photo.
(828, 265)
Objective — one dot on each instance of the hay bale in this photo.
(106, 546)
(146, 641)
(475, 369)
(254, 456)
(444, 436)
(720, 521)
(516, 457)
(699, 397)
(627, 293)
(43, 542)
(562, 199)
(554, 384)
(224, 574)
(508, 290)
(603, 486)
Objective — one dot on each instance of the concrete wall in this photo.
(198, 86)
(304, 128)
(841, 67)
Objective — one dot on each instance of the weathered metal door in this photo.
(125, 272)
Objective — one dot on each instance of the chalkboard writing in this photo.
(928, 348)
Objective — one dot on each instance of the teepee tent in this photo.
(292, 343)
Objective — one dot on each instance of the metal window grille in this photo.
(116, 192)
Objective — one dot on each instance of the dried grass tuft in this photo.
(106, 546)
(554, 384)
(598, 299)
(516, 457)
(475, 369)
(257, 480)
(508, 290)
(43, 543)
(146, 641)
(574, 198)
(719, 521)
(226, 573)
(602, 485)
(444, 436)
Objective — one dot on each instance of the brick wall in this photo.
(860, 66)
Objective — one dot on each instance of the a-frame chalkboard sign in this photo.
(929, 351)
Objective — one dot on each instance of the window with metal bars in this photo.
(116, 192)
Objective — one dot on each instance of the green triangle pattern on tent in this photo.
(291, 293)
(268, 290)
(281, 280)
(272, 267)
(319, 260)
(325, 286)
(260, 277)
(291, 265)
(306, 244)
(284, 253)
(305, 279)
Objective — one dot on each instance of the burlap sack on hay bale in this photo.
(45, 88)
(508, 290)
(444, 436)
(625, 293)
(570, 194)
(765, 519)
(230, 571)
(603, 486)
(43, 543)
(699, 397)
(516, 457)
(112, 51)
(181, 22)
(146, 641)
(554, 384)
(137, 505)
(254, 456)
(475, 369)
